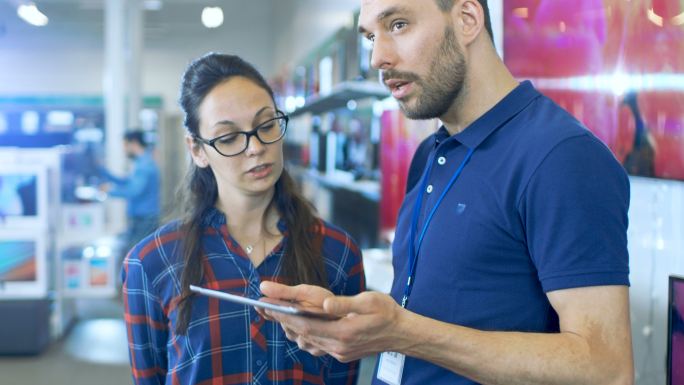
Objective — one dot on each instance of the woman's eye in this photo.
(266, 126)
(228, 139)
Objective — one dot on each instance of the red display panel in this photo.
(617, 65)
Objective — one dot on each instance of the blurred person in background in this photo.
(244, 222)
(140, 188)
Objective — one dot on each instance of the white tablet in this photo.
(280, 306)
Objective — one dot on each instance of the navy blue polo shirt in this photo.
(541, 206)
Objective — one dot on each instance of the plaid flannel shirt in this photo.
(226, 343)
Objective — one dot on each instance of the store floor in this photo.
(94, 351)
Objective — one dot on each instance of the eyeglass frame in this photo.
(253, 132)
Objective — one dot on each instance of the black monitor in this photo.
(675, 328)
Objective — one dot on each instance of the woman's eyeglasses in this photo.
(235, 143)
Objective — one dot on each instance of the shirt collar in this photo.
(215, 218)
(479, 130)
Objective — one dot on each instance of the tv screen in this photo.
(616, 65)
(17, 261)
(675, 343)
(18, 195)
(23, 264)
(23, 196)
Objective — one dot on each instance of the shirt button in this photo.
(259, 363)
(257, 319)
(441, 160)
(429, 189)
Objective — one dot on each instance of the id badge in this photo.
(391, 367)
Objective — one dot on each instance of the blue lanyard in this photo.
(413, 250)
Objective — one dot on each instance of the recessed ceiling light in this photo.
(32, 15)
(212, 17)
(153, 5)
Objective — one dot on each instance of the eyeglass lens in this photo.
(268, 132)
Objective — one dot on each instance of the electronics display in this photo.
(90, 269)
(22, 264)
(615, 65)
(675, 341)
(31, 124)
(23, 196)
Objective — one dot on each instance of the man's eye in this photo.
(370, 38)
(398, 25)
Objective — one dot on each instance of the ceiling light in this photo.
(212, 17)
(32, 15)
(152, 5)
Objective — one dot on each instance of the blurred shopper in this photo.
(244, 221)
(140, 188)
(510, 255)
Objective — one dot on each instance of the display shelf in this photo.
(341, 94)
(370, 189)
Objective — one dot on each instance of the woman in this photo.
(244, 223)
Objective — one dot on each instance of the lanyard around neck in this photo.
(413, 249)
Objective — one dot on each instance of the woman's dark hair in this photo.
(302, 261)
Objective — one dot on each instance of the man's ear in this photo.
(469, 20)
(199, 156)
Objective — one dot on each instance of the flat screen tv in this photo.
(675, 328)
(22, 264)
(23, 196)
(615, 65)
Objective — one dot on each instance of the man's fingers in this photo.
(280, 291)
(361, 304)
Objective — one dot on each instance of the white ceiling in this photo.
(80, 23)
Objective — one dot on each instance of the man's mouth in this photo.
(399, 88)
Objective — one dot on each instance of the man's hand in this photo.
(369, 322)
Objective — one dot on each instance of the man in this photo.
(514, 239)
(140, 188)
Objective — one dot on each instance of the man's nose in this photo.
(384, 54)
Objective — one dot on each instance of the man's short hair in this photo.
(446, 5)
(136, 136)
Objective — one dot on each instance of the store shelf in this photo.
(341, 94)
(370, 189)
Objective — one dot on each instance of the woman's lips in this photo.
(261, 171)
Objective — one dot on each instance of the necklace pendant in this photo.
(249, 249)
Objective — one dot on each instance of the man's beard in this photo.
(441, 86)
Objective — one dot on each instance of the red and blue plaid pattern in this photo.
(226, 343)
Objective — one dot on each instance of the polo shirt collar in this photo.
(479, 130)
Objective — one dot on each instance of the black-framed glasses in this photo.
(235, 143)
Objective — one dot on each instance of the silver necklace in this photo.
(249, 249)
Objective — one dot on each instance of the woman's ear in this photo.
(196, 150)
(469, 20)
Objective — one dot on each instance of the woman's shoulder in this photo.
(158, 249)
(337, 236)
